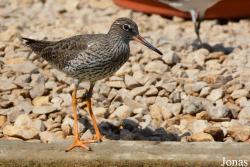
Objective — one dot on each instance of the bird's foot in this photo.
(82, 144)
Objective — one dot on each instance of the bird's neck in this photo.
(120, 48)
(117, 37)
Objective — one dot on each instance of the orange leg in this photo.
(88, 95)
(98, 135)
(77, 141)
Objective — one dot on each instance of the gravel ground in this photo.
(188, 94)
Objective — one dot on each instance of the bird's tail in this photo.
(36, 45)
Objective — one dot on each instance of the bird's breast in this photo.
(102, 64)
(120, 54)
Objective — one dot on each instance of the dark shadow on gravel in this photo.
(215, 48)
(130, 130)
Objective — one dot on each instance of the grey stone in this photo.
(130, 82)
(234, 109)
(125, 69)
(216, 132)
(201, 137)
(50, 85)
(115, 78)
(140, 77)
(244, 74)
(46, 137)
(175, 96)
(22, 128)
(122, 112)
(23, 80)
(192, 105)
(70, 122)
(25, 67)
(116, 84)
(166, 114)
(100, 111)
(147, 119)
(213, 64)
(173, 108)
(104, 89)
(44, 109)
(240, 133)
(150, 100)
(245, 113)
(168, 86)
(239, 93)
(133, 103)
(56, 102)
(243, 102)
(6, 84)
(50, 137)
(194, 87)
(13, 131)
(234, 87)
(52, 126)
(199, 126)
(40, 100)
(113, 106)
(215, 94)
(139, 90)
(87, 135)
(60, 76)
(155, 112)
(112, 94)
(123, 94)
(3, 119)
(192, 73)
(203, 115)
(199, 56)
(38, 85)
(24, 105)
(142, 111)
(39, 125)
(5, 104)
(156, 67)
(170, 57)
(205, 91)
(66, 97)
(13, 113)
(219, 111)
(153, 91)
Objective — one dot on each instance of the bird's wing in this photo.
(60, 53)
(64, 49)
(36, 45)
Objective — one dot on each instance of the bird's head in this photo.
(128, 30)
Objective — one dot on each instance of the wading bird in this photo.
(90, 57)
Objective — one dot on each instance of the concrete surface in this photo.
(122, 153)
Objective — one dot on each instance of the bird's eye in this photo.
(126, 27)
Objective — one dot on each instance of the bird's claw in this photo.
(82, 144)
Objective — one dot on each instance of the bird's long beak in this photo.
(140, 39)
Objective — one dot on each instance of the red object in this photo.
(225, 9)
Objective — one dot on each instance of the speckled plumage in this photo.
(89, 57)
